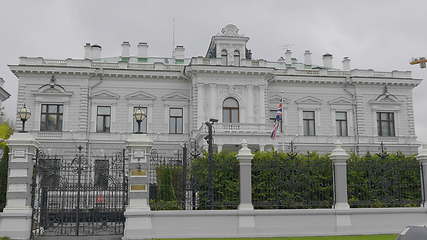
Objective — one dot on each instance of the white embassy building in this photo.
(90, 101)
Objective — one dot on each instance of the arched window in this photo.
(224, 55)
(230, 110)
(237, 58)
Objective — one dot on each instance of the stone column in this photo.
(219, 147)
(339, 159)
(138, 220)
(16, 216)
(246, 209)
(261, 147)
(245, 162)
(422, 157)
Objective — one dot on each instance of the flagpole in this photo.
(281, 121)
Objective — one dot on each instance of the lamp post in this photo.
(24, 114)
(209, 139)
(139, 115)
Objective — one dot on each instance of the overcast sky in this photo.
(382, 35)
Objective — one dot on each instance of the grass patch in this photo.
(362, 237)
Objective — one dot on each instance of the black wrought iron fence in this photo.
(384, 180)
(281, 180)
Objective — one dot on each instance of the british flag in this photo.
(277, 119)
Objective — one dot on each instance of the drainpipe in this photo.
(89, 107)
(354, 110)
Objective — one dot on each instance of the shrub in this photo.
(391, 180)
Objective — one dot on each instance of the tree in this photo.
(5, 132)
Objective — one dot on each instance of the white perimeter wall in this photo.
(270, 223)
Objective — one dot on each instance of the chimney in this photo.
(142, 50)
(125, 50)
(294, 60)
(179, 52)
(96, 51)
(346, 64)
(327, 60)
(307, 57)
(88, 51)
(288, 56)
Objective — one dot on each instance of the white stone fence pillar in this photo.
(339, 160)
(245, 162)
(422, 157)
(16, 216)
(138, 217)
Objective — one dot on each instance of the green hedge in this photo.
(281, 180)
(167, 193)
(389, 181)
(225, 181)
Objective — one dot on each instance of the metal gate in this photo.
(79, 197)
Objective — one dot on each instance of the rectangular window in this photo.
(143, 122)
(309, 123)
(385, 124)
(103, 119)
(341, 122)
(101, 173)
(51, 117)
(175, 120)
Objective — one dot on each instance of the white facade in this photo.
(4, 95)
(199, 86)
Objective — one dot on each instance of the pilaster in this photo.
(138, 217)
(16, 216)
(246, 217)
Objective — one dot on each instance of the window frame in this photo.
(104, 116)
(340, 122)
(224, 56)
(230, 111)
(59, 115)
(390, 121)
(304, 120)
(174, 129)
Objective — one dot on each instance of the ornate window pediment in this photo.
(52, 89)
(104, 94)
(175, 96)
(309, 101)
(140, 95)
(275, 99)
(385, 101)
(340, 101)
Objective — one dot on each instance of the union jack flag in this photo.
(277, 119)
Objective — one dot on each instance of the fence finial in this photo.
(244, 150)
(339, 150)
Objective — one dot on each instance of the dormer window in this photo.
(224, 57)
(237, 58)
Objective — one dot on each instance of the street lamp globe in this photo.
(139, 115)
(24, 114)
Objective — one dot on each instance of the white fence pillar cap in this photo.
(339, 151)
(423, 151)
(244, 151)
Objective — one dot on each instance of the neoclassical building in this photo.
(90, 101)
